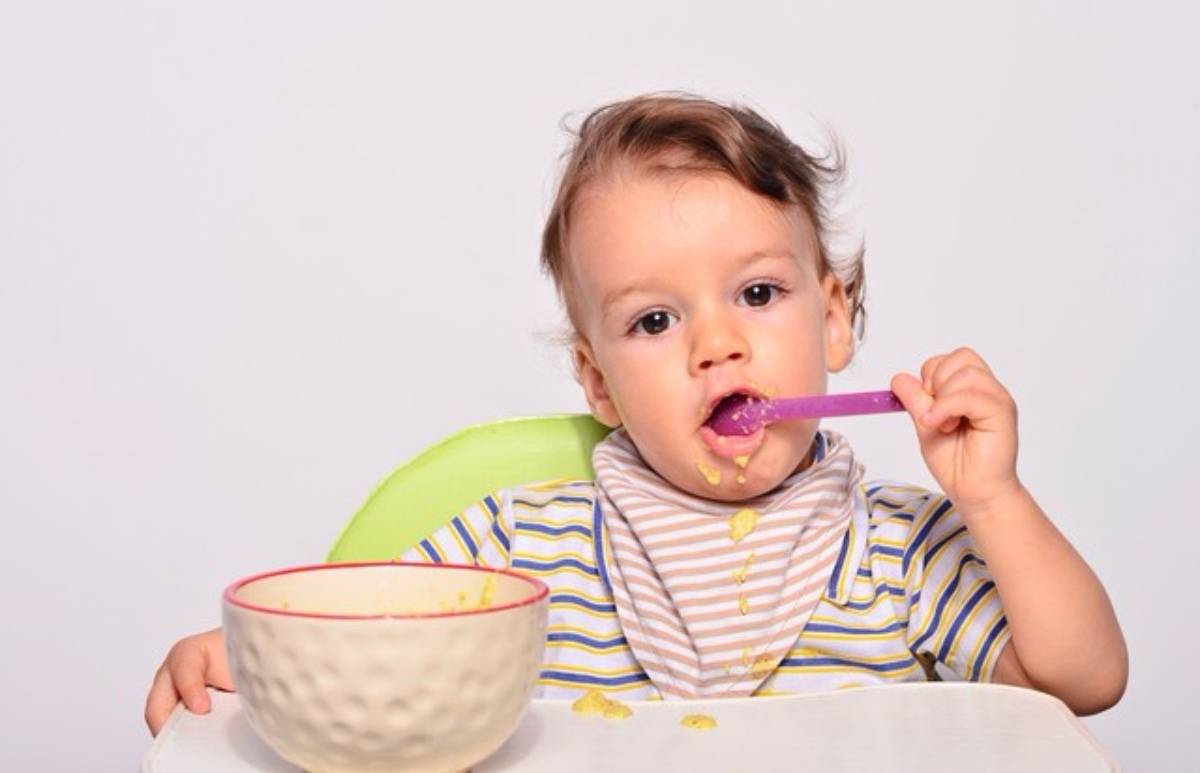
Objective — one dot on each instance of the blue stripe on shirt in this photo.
(977, 667)
(431, 552)
(922, 535)
(830, 628)
(554, 531)
(895, 665)
(940, 607)
(472, 548)
(611, 681)
(600, 644)
(579, 601)
(598, 541)
(962, 615)
(549, 566)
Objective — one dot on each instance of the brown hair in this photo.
(685, 132)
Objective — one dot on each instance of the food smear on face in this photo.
(595, 702)
(739, 574)
(742, 523)
(712, 476)
(742, 461)
(768, 392)
(698, 722)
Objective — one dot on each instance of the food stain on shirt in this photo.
(595, 702)
(698, 722)
(743, 605)
(762, 665)
(712, 476)
(742, 523)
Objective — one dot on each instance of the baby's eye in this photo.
(653, 323)
(760, 294)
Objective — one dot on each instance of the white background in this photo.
(253, 255)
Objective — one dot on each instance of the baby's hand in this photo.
(191, 665)
(967, 425)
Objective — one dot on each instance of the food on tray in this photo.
(698, 722)
(595, 702)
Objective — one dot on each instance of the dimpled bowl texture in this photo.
(385, 666)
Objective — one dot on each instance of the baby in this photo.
(688, 242)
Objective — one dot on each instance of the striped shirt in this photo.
(908, 588)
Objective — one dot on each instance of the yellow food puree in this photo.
(712, 476)
(698, 722)
(742, 523)
(595, 702)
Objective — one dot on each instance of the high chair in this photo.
(425, 492)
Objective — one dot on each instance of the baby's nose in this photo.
(717, 345)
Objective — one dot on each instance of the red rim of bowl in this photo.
(541, 590)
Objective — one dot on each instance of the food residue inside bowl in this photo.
(488, 592)
(595, 702)
(460, 602)
(698, 722)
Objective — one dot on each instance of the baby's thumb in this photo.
(914, 398)
(188, 673)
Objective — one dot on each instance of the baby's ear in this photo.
(592, 380)
(839, 333)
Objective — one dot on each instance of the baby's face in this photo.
(689, 287)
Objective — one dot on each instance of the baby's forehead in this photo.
(701, 212)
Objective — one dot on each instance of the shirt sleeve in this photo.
(480, 535)
(954, 611)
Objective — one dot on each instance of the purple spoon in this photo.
(743, 416)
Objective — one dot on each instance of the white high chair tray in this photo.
(922, 728)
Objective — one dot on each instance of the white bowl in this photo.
(385, 666)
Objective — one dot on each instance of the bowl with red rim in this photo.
(385, 666)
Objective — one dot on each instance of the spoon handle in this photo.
(818, 406)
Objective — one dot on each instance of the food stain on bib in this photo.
(739, 575)
(742, 523)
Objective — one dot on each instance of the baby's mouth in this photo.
(729, 405)
(730, 446)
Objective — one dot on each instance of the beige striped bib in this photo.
(711, 595)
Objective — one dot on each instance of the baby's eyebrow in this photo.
(767, 254)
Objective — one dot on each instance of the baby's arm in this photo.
(1065, 636)
(192, 664)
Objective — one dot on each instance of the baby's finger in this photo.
(160, 701)
(970, 377)
(913, 397)
(960, 358)
(928, 369)
(975, 406)
(187, 669)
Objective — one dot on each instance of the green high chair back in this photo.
(424, 493)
